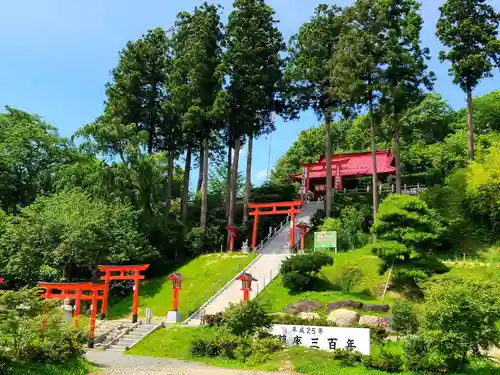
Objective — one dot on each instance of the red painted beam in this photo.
(282, 212)
(275, 204)
(125, 268)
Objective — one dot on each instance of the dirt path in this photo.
(116, 363)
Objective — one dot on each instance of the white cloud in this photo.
(260, 176)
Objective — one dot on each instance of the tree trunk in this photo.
(228, 185)
(202, 166)
(328, 171)
(374, 156)
(185, 189)
(248, 184)
(170, 181)
(397, 156)
(470, 131)
(204, 185)
(234, 179)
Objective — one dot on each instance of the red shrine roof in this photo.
(353, 164)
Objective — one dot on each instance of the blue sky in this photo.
(56, 56)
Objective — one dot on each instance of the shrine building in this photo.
(346, 171)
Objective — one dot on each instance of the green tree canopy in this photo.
(469, 29)
(408, 233)
(64, 237)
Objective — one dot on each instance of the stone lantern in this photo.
(175, 315)
(246, 281)
(303, 231)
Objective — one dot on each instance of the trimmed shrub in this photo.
(246, 318)
(347, 277)
(299, 271)
(404, 319)
(385, 361)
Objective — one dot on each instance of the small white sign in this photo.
(324, 338)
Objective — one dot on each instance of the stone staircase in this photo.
(129, 337)
(264, 268)
(120, 335)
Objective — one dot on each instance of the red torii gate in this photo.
(288, 208)
(77, 291)
(125, 272)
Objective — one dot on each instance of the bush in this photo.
(222, 344)
(347, 357)
(214, 320)
(347, 276)
(299, 271)
(21, 341)
(404, 319)
(417, 356)
(317, 219)
(291, 319)
(246, 318)
(460, 318)
(385, 361)
(263, 348)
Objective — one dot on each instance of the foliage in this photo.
(469, 29)
(348, 276)
(30, 153)
(21, 316)
(90, 232)
(349, 227)
(291, 319)
(246, 318)
(221, 344)
(404, 319)
(263, 348)
(299, 271)
(408, 232)
(385, 361)
(317, 219)
(460, 318)
(418, 357)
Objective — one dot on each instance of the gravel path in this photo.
(116, 363)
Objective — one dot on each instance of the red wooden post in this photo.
(105, 292)
(254, 232)
(93, 314)
(176, 286)
(135, 302)
(292, 227)
(307, 182)
(231, 233)
(77, 307)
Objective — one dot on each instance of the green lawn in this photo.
(174, 343)
(80, 367)
(204, 276)
(368, 290)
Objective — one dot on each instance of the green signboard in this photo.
(325, 240)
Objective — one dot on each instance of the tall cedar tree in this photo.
(196, 85)
(254, 69)
(138, 89)
(405, 68)
(309, 71)
(469, 29)
(134, 114)
(356, 73)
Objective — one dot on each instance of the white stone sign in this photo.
(324, 338)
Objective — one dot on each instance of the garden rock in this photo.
(377, 308)
(374, 321)
(347, 303)
(303, 306)
(309, 315)
(343, 317)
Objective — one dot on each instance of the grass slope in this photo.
(174, 343)
(204, 276)
(368, 290)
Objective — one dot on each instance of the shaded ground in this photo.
(116, 363)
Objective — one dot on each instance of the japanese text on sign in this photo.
(325, 240)
(324, 338)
